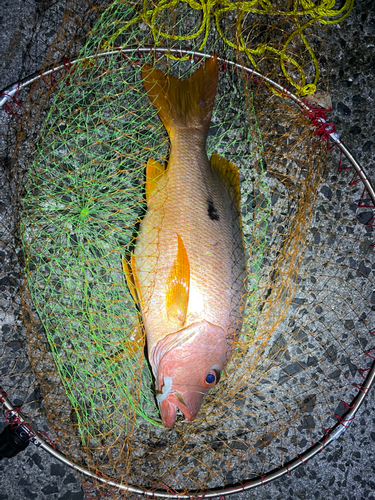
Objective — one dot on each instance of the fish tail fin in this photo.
(183, 104)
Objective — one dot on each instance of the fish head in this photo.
(186, 365)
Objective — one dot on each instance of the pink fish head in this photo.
(187, 364)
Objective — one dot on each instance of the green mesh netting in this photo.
(84, 199)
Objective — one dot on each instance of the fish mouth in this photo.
(168, 409)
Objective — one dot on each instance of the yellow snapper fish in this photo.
(188, 269)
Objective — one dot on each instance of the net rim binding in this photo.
(344, 422)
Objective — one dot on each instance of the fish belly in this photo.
(192, 203)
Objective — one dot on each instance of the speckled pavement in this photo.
(344, 471)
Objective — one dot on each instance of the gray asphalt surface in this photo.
(347, 469)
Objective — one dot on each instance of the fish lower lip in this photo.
(168, 410)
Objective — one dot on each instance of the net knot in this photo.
(12, 418)
(13, 97)
(343, 421)
(318, 117)
(67, 63)
(347, 406)
(362, 388)
(308, 89)
(325, 130)
(8, 109)
(364, 371)
(44, 434)
(84, 212)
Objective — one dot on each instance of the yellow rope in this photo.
(322, 12)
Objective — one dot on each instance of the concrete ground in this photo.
(346, 470)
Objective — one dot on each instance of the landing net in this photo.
(75, 182)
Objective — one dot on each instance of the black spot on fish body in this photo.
(212, 212)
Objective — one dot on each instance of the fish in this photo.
(187, 271)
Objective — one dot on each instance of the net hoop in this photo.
(8, 95)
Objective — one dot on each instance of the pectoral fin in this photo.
(177, 286)
(229, 176)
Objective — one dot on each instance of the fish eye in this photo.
(212, 378)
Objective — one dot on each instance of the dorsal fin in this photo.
(177, 286)
(183, 104)
(229, 176)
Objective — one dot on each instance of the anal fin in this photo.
(177, 286)
(132, 346)
(154, 170)
(131, 279)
